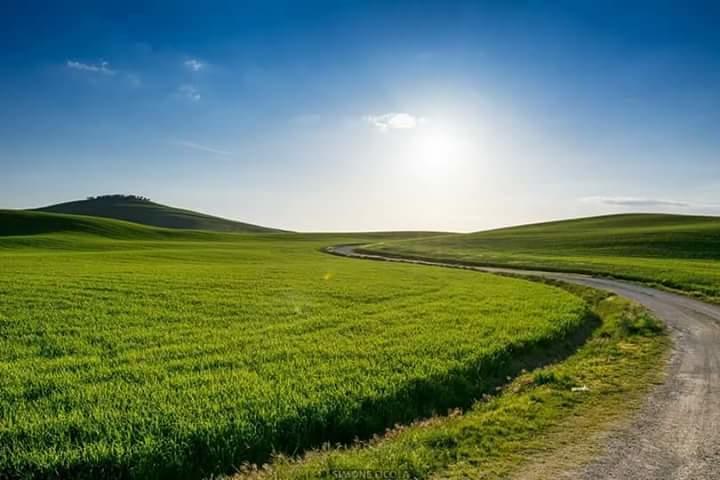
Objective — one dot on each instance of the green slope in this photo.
(32, 232)
(146, 212)
(124, 355)
(676, 251)
(654, 235)
(22, 223)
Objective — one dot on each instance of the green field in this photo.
(673, 251)
(142, 210)
(536, 427)
(135, 352)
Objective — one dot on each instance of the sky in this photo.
(364, 115)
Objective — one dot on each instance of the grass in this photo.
(536, 426)
(137, 352)
(19, 223)
(146, 212)
(673, 251)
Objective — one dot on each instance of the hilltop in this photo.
(142, 210)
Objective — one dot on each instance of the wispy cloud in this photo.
(194, 64)
(197, 146)
(189, 92)
(102, 67)
(638, 202)
(392, 121)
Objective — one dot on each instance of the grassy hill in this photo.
(652, 235)
(676, 251)
(142, 210)
(25, 223)
(168, 353)
(33, 229)
(129, 351)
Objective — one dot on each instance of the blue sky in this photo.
(344, 115)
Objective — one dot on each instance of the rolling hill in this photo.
(25, 223)
(633, 235)
(653, 235)
(37, 230)
(136, 352)
(144, 211)
(33, 230)
(221, 349)
(676, 251)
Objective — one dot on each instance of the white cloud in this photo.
(194, 64)
(189, 92)
(392, 121)
(102, 67)
(197, 146)
(638, 202)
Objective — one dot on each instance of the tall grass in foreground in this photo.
(177, 359)
(542, 424)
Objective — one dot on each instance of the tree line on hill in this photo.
(119, 197)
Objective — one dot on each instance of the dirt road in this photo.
(676, 435)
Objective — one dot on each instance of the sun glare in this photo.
(438, 150)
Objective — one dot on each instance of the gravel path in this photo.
(676, 435)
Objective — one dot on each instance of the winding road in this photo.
(676, 434)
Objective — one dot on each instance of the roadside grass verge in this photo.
(520, 429)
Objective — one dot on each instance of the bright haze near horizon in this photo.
(344, 115)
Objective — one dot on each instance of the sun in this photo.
(436, 150)
(437, 143)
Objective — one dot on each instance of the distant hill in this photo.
(627, 235)
(142, 210)
(640, 234)
(680, 252)
(23, 223)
